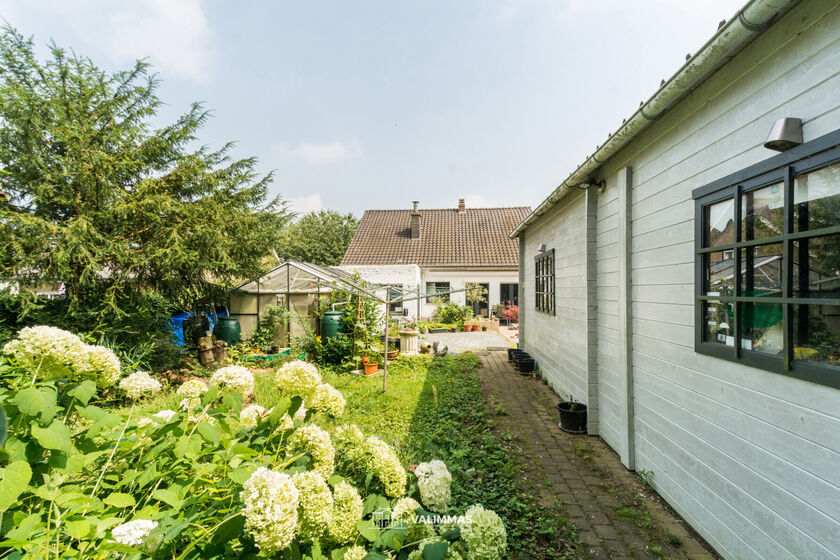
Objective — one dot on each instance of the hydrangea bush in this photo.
(216, 480)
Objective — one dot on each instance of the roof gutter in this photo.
(731, 38)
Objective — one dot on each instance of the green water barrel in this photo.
(332, 323)
(228, 329)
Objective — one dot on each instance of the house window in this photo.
(768, 264)
(509, 294)
(544, 266)
(441, 288)
(394, 293)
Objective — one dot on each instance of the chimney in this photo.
(462, 208)
(415, 221)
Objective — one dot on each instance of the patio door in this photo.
(481, 308)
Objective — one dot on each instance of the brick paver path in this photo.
(613, 514)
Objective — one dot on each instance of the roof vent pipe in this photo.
(462, 207)
(415, 203)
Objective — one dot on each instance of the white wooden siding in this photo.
(750, 458)
(559, 342)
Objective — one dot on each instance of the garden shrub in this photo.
(452, 313)
(210, 481)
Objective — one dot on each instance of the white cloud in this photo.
(173, 34)
(306, 203)
(326, 153)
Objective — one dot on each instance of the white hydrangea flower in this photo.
(434, 482)
(316, 505)
(373, 456)
(298, 378)
(238, 379)
(404, 510)
(202, 416)
(385, 464)
(271, 502)
(50, 351)
(164, 415)
(355, 553)
(134, 532)
(347, 510)
(316, 442)
(189, 404)
(139, 383)
(102, 366)
(252, 414)
(191, 389)
(300, 413)
(328, 399)
(286, 423)
(484, 533)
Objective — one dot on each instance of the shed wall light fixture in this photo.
(541, 248)
(785, 134)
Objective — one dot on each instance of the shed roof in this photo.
(472, 237)
(295, 277)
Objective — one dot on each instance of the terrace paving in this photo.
(614, 515)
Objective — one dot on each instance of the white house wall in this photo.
(750, 458)
(458, 278)
(412, 277)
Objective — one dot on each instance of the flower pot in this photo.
(572, 417)
(392, 354)
(526, 365)
(510, 352)
(371, 368)
(515, 353)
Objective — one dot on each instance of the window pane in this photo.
(763, 213)
(719, 275)
(816, 333)
(761, 270)
(720, 223)
(718, 323)
(762, 328)
(816, 199)
(816, 267)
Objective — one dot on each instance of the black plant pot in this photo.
(511, 351)
(572, 417)
(519, 356)
(526, 365)
(516, 354)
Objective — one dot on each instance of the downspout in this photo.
(732, 37)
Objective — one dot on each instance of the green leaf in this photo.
(209, 433)
(83, 392)
(239, 476)
(230, 528)
(168, 496)
(451, 535)
(120, 500)
(210, 395)
(15, 480)
(78, 529)
(4, 426)
(55, 436)
(232, 402)
(367, 529)
(435, 551)
(31, 401)
(69, 463)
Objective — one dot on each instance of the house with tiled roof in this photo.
(437, 251)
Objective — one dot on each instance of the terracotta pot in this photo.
(371, 368)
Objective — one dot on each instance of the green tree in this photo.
(119, 211)
(318, 237)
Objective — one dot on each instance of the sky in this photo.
(373, 104)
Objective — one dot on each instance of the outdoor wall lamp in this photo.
(541, 248)
(785, 134)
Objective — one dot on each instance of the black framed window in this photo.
(544, 271)
(395, 292)
(441, 288)
(509, 294)
(767, 280)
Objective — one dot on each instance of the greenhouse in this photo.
(295, 286)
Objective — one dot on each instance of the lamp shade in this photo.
(785, 134)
